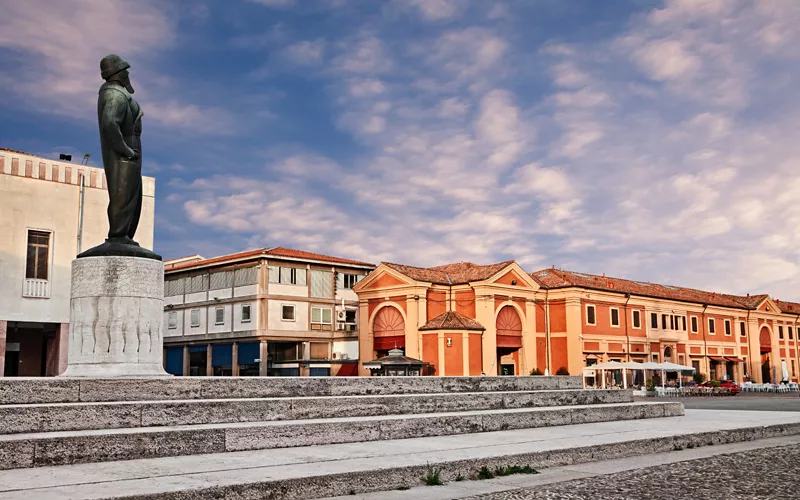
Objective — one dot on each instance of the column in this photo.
(754, 351)
(412, 328)
(484, 312)
(440, 339)
(465, 353)
(263, 354)
(574, 344)
(3, 330)
(209, 365)
(235, 360)
(529, 340)
(186, 361)
(365, 338)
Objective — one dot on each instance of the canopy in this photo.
(675, 367)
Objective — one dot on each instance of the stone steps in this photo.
(349, 469)
(86, 446)
(73, 390)
(50, 417)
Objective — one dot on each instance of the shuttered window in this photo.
(246, 276)
(222, 279)
(197, 283)
(321, 284)
(37, 262)
(319, 350)
(173, 287)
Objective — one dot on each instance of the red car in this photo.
(724, 384)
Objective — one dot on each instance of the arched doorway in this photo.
(509, 340)
(389, 331)
(765, 341)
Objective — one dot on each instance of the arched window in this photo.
(389, 329)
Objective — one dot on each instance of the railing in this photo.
(39, 289)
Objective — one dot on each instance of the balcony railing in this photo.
(39, 289)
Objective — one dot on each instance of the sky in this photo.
(646, 139)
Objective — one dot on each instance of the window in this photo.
(636, 317)
(293, 276)
(350, 316)
(742, 331)
(672, 323)
(321, 315)
(195, 318)
(172, 320)
(614, 316)
(219, 316)
(780, 332)
(683, 318)
(694, 324)
(728, 327)
(590, 315)
(287, 312)
(655, 358)
(712, 326)
(36, 263)
(663, 321)
(246, 313)
(350, 280)
(653, 320)
(791, 334)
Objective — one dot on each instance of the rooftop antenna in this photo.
(86, 157)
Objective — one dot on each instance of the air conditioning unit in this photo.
(344, 355)
(335, 355)
(340, 315)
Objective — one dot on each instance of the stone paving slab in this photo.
(83, 446)
(319, 471)
(49, 417)
(21, 390)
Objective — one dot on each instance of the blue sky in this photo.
(648, 139)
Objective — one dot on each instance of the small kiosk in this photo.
(396, 364)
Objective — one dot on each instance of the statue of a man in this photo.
(119, 118)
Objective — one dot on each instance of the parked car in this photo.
(732, 386)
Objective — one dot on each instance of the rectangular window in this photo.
(636, 318)
(321, 315)
(663, 321)
(655, 358)
(350, 316)
(712, 326)
(780, 332)
(683, 320)
(219, 316)
(350, 280)
(37, 261)
(246, 313)
(791, 334)
(172, 320)
(614, 316)
(694, 324)
(195, 318)
(287, 312)
(742, 330)
(653, 320)
(728, 327)
(672, 322)
(590, 315)
(292, 276)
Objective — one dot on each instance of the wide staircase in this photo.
(56, 422)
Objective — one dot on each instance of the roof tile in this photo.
(452, 320)
(276, 252)
(460, 273)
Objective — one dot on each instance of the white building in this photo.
(49, 212)
(293, 310)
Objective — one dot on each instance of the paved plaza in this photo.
(746, 401)
(763, 473)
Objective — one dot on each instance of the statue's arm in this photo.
(114, 109)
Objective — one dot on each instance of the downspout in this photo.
(547, 332)
(80, 214)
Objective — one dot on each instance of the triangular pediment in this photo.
(767, 305)
(513, 275)
(382, 277)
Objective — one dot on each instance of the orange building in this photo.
(468, 319)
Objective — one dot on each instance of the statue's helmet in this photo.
(112, 64)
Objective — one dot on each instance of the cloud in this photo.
(363, 55)
(438, 10)
(305, 52)
(275, 3)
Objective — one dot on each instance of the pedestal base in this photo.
(116, 311)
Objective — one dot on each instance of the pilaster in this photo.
(365, 338)
(484, 312)
(528, 358)
(440, 340)
(412, 327)
(754, 350)
(264, 355)
(465, 353)
(574, 343)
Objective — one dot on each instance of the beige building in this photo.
(51, 210)
(269, 311)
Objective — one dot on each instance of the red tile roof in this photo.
(558, 278)
(265, 252)
(788, 307)
(451, 274)
(15, 151)
(452, 320)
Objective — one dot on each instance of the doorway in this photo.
(766, 369)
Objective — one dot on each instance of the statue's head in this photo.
(113, 68)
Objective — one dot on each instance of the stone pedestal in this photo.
(116, 311)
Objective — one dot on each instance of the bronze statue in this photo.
(119, 118)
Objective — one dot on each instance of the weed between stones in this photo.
(509, 470)
(432, 478)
